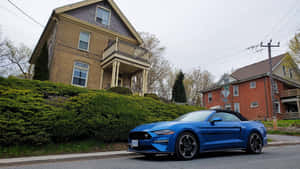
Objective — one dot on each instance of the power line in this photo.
(280, 22)
(27, 15)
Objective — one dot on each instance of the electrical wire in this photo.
(27, 15)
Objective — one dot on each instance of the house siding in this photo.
(260, 94)
(88, 14)
(66, 52)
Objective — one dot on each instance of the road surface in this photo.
(284, 157)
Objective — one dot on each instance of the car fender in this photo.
(173, 139)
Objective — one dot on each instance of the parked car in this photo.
(200, 131)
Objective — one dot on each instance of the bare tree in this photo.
(14, 59)
(195, 81)
(160, 68)
(294, 46)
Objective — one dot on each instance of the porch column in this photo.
(117, 74)
(131, 81)
(113, 74)
(298, 104)
(145, 81)
(101, 78)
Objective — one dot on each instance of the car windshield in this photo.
(195, 116)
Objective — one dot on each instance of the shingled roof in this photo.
(256, 69)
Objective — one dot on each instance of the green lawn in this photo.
(90, 145)
(283, 123)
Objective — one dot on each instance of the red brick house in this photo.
(249, 93)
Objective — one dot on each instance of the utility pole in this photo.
(270, 46)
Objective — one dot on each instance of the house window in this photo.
(235, 90)
(103, 15)
(84, 39)
(254, 105)
(80, 74)
(283, 70)
(291, 73)
(252, 84)
(275, 87)
(237, 107)
(277, 107)
(209, 97)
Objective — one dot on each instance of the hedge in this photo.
(34, 112)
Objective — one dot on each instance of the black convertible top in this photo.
(232, 112)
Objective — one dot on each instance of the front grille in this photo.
(139, 135)
(144, 147)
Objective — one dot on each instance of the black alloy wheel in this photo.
(255, 143)
(186, 146)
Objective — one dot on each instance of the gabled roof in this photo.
(51, 22)
(257, 69)
(80, 4)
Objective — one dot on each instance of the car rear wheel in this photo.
(255, 143)
(186, 146)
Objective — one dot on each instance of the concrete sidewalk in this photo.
(277, 140)
(63, 157)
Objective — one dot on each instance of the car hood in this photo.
(157, 126)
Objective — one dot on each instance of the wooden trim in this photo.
(114, 6)
(75, 5)
(81, 30)
(97, 28)
(127, 60)
(87, 74)
(126, 21)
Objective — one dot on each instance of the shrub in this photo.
(28, 117)
(121, 90)
(152, 95)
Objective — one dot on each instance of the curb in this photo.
(64, 157)
(282, 143)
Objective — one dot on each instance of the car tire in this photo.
(187, 146)
(255, 143)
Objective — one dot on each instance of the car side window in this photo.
(226, 117)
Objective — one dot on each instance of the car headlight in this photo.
(163, 132)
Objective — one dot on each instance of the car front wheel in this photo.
(255, 143)
(186, 146)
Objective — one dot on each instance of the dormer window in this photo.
(102, 15)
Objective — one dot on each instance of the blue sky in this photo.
(210, 34)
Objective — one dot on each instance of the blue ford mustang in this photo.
(200, 131)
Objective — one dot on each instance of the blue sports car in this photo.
(200, 131)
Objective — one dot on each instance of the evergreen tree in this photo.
(41, 71)
(178, 92)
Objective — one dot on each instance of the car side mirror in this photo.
(215, 120)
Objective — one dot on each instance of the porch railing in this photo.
(127, 50)
(291, 115)
(290, 93)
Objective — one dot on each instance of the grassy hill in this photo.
(42, 113)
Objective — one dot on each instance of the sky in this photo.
(210, 34)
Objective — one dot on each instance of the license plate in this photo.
(134, 143)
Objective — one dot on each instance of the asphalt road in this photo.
(285, 157)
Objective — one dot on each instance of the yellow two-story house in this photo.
(92, 44)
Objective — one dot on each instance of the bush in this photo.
(121, 90)
(70, 113)
(152, 95)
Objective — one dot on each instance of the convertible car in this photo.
(200, 131)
